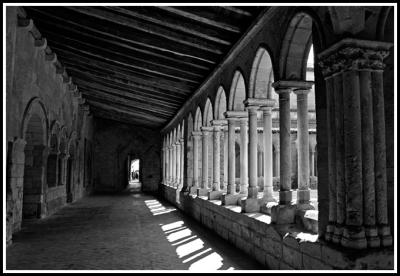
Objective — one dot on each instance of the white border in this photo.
(197, 4)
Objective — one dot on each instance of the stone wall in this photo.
(113, 143)
(283, 247)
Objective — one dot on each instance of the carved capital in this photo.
(351, 54)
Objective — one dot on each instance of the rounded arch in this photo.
(297, 43)
(178, 133)
(63, 142)
(71, 142)
(208, 113)
(385, 14)
(189, 125)
(37, 109)
(262, 75)
(182, 129)
(237, 93)
(220, 104)
(198, 119)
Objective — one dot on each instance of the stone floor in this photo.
(129, 231)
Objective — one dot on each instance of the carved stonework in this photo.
(350, 54)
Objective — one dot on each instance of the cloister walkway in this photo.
(127, 231)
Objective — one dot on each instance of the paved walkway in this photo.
(129, 231)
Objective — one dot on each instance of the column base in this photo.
(252, 192)
(354, 237)
(285, 197)
(303, 196)
(230, 199)
(329, 231)
(202, 191)
(214, 195)
(371, 233)
(307, 217)
(266, 199)
(283, 214)
(193, 190)
(385, 236)
(337, 233)
(250, 205)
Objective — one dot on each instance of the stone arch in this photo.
(237, 92)
(35, 106)
(296, 45)
(71, 166)
(62, 147)
(208, 113)
(262, 75)
(34, 130)
(220, 104)
(198, 119)
(52, 159)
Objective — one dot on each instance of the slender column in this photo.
(163, 165)
(253, 189)
(216, 158)
(166, 165)
(173, 164)
(231, 157)
(196, 138)
(267, 140)
(225, 180)
(303, 192)
(244, 183)
(170, 164)
(285, 193)
(203, 191)
(182, 164)
(277, 159)
(312, 173)
(178, 164)
(380, 157)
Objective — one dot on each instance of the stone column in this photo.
(204, 188)
(182, 164)
(303, 171)
(244, 162)
(285, 192)
(216, 191)
(224, 159)
(354, 63)
(178, 164)
(173, 164)
(277, 160)
(196, 138)
(267, 141)
(231, 197)
(312, 165)
(171, 176)
(163, 164)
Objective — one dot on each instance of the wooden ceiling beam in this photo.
(127, 95)
(139, 89)
(169, 49)
(200, 19)
(122, 62)
(122, 118)
(185, 27)
(133, 113)
(112, 48)
(236, 10)
(133, 105)
(150, 29)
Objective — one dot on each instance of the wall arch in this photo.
(198, 120)
(35, 106)
(220, 104)
(262, 75)
(237, 92)
(208, 113)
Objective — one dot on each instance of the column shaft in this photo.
(216, 158)
(285, 194)
(204, 183)
(267, 135)
(231, 157)
(303, 171)
(196, 161)
(253, 189)
(244, 183)
(178, 163)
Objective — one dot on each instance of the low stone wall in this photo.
(275, 246)
(55, 199)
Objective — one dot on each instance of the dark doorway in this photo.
(134, 178)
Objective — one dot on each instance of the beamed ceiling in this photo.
(140, 64)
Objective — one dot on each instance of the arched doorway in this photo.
(135, 176)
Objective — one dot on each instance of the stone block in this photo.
(312, 249)
(292, 257)
(285, 266)
(230, 199)
(334, 257)
(250, 205)
(256, 238)
(272, 262)
(283, 214)
(245, 233)
(232, 237)
(260, 255)
(310, 263)
(274, 248)
(291, 241)
(202, 192)
(272, 233)
(214, 195)
(236, 228)
(383, 260)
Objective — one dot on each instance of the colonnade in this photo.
(173, 160)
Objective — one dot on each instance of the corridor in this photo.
(127, 231)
